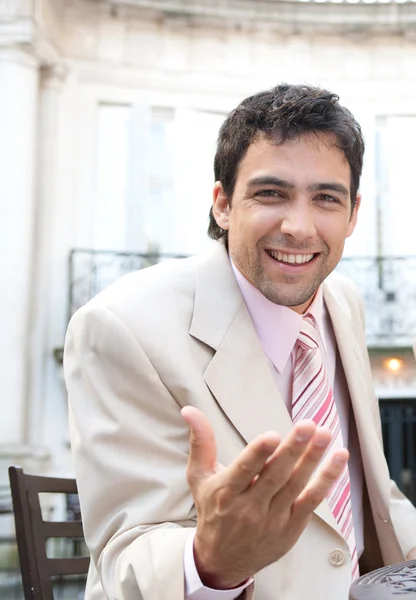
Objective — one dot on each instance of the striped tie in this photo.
(313, 399)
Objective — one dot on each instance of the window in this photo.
(159, 217)
(396, 195)
(112, 177)
(154, 178)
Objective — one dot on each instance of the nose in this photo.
(299, 222)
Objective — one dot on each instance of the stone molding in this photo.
(53, 75)
(22, 54)
(286, 16)
(33, 56)
(23, 37)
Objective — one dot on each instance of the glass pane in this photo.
(159, 211)
(112, 176)
(395, 158)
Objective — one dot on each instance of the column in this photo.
(19, 83)
(47, 264)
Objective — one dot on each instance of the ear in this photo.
(353, 218)
(220, 206)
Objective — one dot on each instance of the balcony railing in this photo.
(388, 286)
(90, 271)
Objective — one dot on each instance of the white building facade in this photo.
(109, 112)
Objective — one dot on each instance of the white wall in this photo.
(193, 67)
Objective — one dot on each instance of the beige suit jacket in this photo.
(178, 334)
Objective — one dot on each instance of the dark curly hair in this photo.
(283, 113)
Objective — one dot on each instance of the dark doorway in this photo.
(398, 418)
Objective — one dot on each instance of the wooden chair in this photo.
(32, 533)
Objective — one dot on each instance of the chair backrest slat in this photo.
(63, 566)
(63, 529)
(32, 532)
(54, 485)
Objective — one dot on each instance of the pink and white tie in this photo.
(313, 399)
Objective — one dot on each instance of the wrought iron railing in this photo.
(388, 286)
(90, 271)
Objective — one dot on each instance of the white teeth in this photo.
(291, 258)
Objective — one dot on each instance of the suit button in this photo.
(336, 557)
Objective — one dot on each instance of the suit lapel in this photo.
(242, 380)
(357, 371)
(240, 375)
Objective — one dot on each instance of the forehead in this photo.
(310, 156)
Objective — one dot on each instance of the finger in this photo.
(279, 468)
(202, 460)
(250, 462)
(305, 467)
(321, 482)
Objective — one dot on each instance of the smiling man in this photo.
(282, 491)
(287, 225)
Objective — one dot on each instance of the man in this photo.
(265, 355)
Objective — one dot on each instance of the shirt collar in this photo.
(277, 326)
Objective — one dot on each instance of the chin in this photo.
(291, 300)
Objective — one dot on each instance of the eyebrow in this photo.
(282, 183)
(329, 185)
(270, 180)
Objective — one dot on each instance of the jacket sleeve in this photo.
(130, 448)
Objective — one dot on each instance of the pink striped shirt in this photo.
(278, 328)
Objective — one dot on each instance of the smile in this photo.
(293, 259)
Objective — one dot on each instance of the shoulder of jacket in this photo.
(148, 291)
(346, 294)
(339, 284)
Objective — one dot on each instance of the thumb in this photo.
(202, 451)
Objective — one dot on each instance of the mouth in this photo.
(289, 258)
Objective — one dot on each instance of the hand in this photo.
(252, 512)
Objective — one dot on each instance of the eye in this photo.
(268, 193)
(328, 198)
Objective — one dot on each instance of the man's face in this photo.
(289, 216)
